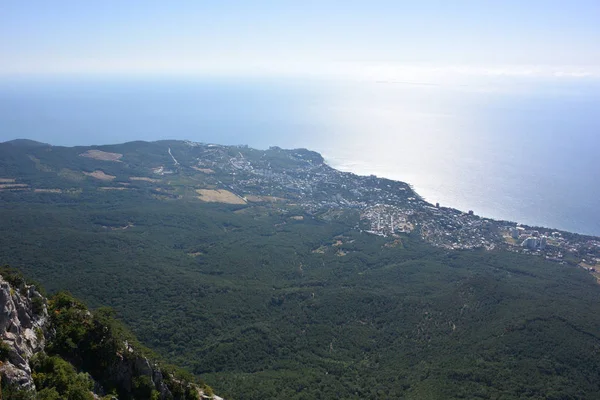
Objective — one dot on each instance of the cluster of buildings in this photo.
(454, 229)
(528, 239)
(386, 207)
(386, 220)
(535, 243)
(554, 245)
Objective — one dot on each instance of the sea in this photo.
(523, 150)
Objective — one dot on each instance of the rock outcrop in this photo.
(25, 326)
(23, 315)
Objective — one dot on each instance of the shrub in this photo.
(37, 305)
(4, 350)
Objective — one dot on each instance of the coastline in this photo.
(437, 196)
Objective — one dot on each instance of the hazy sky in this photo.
(376, 38)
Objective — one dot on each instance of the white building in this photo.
(535, 243)
(530, 243)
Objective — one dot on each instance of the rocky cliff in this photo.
(23, 316)
(31, 326)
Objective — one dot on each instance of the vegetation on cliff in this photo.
(89, 351)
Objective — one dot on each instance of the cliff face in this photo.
(23, 315)
(26, 327)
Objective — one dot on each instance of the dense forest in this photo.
(270, 300)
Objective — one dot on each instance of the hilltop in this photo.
(272, 275)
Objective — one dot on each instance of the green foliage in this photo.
(48, 394)
(208, 391)
(12, 276)
(37, 304)
(54, 377)
(17, 281)
(238, 294)
(143, 388)
(4, 350)
(39, 333)
(92, 342)
(100, 345)
(13, 392)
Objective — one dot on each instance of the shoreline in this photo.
(439, 199)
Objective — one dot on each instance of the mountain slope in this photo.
(254, 269)
(59, 349)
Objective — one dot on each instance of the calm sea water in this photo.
(524, 151)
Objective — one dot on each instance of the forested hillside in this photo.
(269, 298)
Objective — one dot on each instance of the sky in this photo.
(376, 39)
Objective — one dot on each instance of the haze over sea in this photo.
(525, 151)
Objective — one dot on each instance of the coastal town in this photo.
(386, 208)
(300, 182)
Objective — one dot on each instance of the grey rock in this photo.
(22, 331)
(18, 327)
